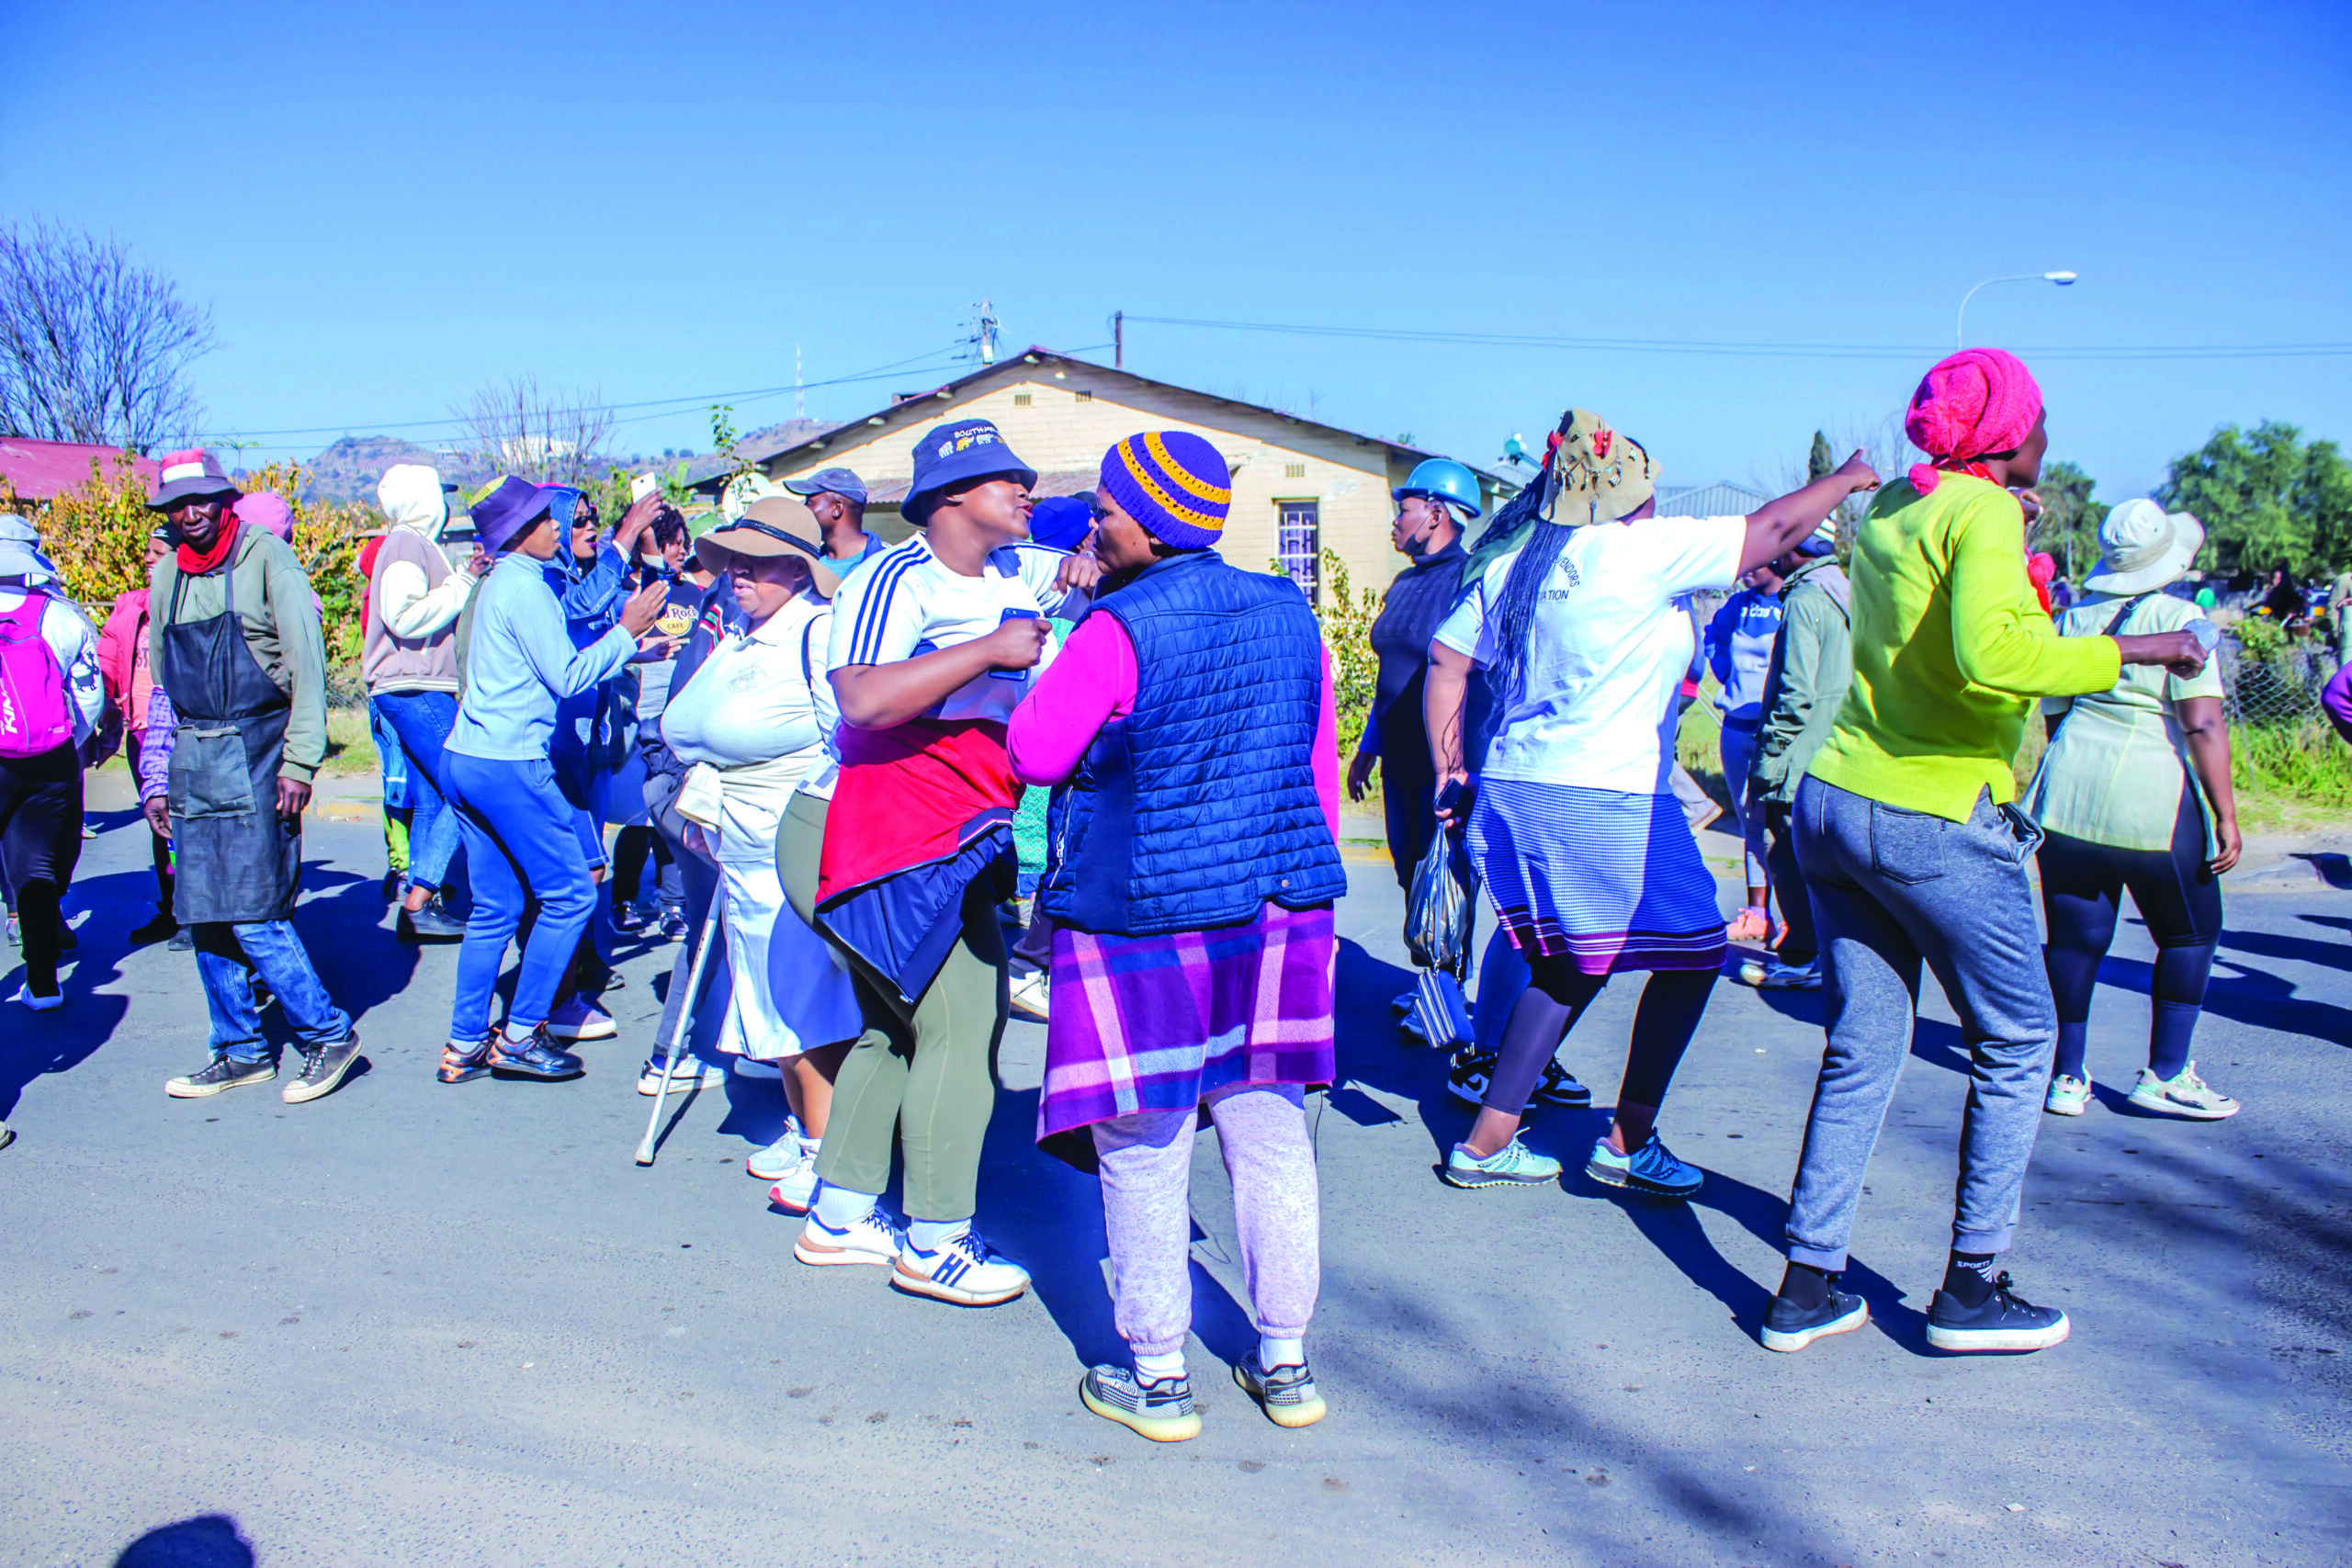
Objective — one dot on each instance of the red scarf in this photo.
(199, 564)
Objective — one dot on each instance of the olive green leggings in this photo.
(927, 1072)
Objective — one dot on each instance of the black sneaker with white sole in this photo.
(1789, 1326)
(1559, 1087)
(2004, 1322)
(323, 1068)
(219, 1076)
(1467, 1080)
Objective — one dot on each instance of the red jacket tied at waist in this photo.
(911, 794)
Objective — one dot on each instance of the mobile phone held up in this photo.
(1015, 615)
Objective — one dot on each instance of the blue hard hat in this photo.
(1444, 478)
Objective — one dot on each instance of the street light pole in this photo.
(1960, 322)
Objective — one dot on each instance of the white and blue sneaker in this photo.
(1652, 1168)
(1513, 1165)
(872, 1238)
(691, 1072)
(775, 1162)
(796, 1189)
(964, 1271)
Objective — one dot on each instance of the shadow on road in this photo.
(209, 1540)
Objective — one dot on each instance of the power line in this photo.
(663, 405)
(1776, 350)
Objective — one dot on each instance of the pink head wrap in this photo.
(1976, 401)
(268, 512)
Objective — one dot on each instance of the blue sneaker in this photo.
(1652, 1168)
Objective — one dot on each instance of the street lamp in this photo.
(1960, 324)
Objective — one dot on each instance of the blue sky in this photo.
(389, 207)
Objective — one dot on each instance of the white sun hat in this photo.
(2143, 548)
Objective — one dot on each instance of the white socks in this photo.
(1159, 1369)
(838, 1208)
(1272, 1352)
(929, 1235)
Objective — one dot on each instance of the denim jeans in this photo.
(1738, 754)
(519, 846)
(222, 951)
(1892, 888)
(422, 721)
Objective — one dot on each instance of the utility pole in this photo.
(986, 335)
(1118, 340)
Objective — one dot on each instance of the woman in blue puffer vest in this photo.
(1192, 868)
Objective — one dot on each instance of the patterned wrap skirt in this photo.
(1156, 1022)
(1612, 882)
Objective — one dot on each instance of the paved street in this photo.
(419, 1325)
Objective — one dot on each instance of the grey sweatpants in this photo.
(1890, 888)
(1147, 1160)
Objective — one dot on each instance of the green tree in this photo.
(1821, 460)
(2265, 496)
(2070, 519)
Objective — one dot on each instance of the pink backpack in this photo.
(34, 716)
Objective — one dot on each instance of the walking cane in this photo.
(684, 1026)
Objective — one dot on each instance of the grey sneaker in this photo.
(1513, 1165)
(220, 1074)
(323, 1068)
(1162, 1411)
(1287, 1395)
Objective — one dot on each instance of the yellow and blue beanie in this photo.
(1173, 483)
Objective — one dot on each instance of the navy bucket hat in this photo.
(502, 511)
(951, 453)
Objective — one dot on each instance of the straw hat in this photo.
(1597, 475)
(774, 525)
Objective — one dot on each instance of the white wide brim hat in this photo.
(2143, 548)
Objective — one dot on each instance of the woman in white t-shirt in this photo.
(1585, 636)
(755, 720)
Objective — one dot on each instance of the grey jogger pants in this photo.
(1890, 888)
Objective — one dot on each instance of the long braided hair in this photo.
(1514, 613)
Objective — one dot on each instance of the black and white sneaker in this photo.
(2005, 1322)
(220, 1075)
(1467, 1077)
(1788, 1326)
(1559, 1087)
(1161, 1411)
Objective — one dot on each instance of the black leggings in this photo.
(1664, 1021)
(41, 839)
(2082, 888)
(630, 848)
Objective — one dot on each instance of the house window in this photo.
(1294, 470)
(1085, 397)
(1020, 399)
(1298, 544)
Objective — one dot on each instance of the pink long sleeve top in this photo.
(1092, 682)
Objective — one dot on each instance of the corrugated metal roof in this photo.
(1722, 498)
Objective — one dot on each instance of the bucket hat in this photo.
(962, 449)
(774, 525)
(2143, 548)
(21, 560)
(504, 509)
(1597, 475)
(189, 474)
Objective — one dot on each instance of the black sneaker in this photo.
(1788, 1326)
(1467, 1077)
(629, 920)
(1559, 1087)
(1287, 1395)
(323, 1067)
(159, 926)
(538, 1057)
(432, 923)
(1161, 1411)
(218, 1075)
(2005, 1322)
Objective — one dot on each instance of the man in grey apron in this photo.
(235, 641)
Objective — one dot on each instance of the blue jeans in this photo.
(1892, 888)
(423, 720)
(222, 951)
(1739, 754)
(519, 846)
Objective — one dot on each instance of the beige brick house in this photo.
(1299, 486)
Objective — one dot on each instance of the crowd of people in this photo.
(821, 747)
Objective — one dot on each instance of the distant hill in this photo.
(349, 469)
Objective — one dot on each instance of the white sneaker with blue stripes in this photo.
(964, 1271)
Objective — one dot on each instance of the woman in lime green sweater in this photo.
(1914, 854)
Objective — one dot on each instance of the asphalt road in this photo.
(417, 1325)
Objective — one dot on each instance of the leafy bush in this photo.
(2307, 763)
(98, 536)
(1347, 632)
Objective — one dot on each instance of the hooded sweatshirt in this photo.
(413, 597)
